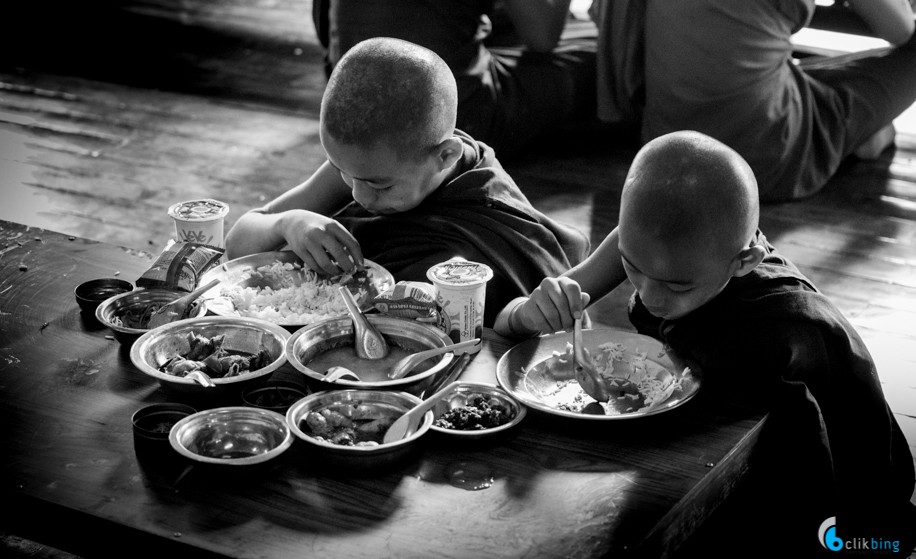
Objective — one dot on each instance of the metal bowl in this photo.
(535, 371)
(90, 294)
(231, 436)
(248, 335)
(138, 302)
(462, 396)
(310, 341)
(242, 272)
(376, 403)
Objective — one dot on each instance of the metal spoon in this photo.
(201, 377)
(589, 378)
(334, 374)
(177, 308)
(406, 364)
(409, 422)
(367, 340)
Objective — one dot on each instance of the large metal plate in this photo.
(522, 371)
(241, 272)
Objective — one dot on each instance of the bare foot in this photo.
(872, 148)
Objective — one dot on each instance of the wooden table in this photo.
(559, 487)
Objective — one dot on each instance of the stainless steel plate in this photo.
(523, 373)
(242, 272)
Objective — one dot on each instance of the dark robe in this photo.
(480, 215)
(831, 445)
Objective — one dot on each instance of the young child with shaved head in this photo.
(404, 188)
(710, 286)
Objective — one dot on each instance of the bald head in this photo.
(686, 188)
(390, 91)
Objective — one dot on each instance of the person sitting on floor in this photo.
(525, 69)
(710, 286)
(727, 69)
(404, 188)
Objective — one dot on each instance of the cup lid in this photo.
(459, 272)
(203, 209)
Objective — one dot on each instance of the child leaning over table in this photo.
(405, 189)
(710, 286)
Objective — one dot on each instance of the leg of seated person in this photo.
(536, 94)
(872, 89)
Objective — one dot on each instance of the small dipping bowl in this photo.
(231, 436)
(273, 395)
(362, 406)
(151, 426)
(90, 294)
(138, 302)
(462, 396)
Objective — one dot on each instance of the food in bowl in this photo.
(351, 423)
(209, 356)
(641, 382)
(480, 412)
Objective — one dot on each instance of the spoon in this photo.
(406, 364)
(367, 340)
(177, 308)
(409, 422)
(333, 374)
(588, 377)
(403, 365)
(201, 377)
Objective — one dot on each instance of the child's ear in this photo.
(748, 259)
(449, 151)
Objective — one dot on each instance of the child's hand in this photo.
(552, 306)
(322, 242)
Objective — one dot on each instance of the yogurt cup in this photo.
(461, 290)
(200, 221)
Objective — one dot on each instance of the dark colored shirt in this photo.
(832, 445)
(480, 215)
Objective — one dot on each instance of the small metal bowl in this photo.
(90, 294)
(462, 396)
(151, 427)
(390, 405)
(137, 302)
(273, 395)
(249, 335)
(308, 342)
(231, 436)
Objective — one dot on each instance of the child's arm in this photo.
(298, 218)
(556, 302)
(891, 20)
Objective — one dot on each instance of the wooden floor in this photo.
(114, 111)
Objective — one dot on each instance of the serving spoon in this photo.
(177, 308)
(409, 422)
(367, 340)
(404, 365)
(201, 377)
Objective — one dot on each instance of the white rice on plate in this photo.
(315, 299)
